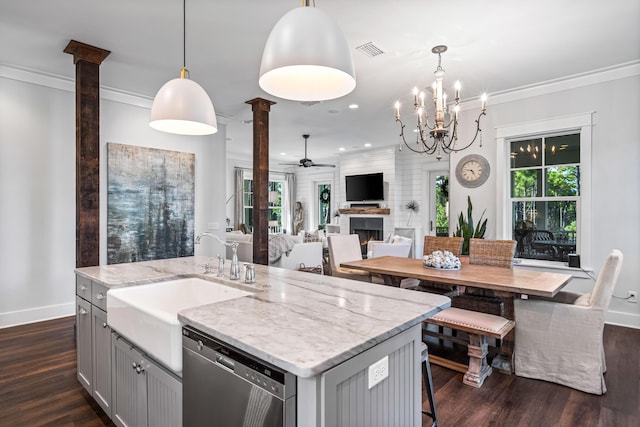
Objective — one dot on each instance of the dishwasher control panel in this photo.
(262, 381)
(269, 378)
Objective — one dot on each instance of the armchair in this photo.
(343, 248)
(308, 254)
(377, 248)
(560, 339)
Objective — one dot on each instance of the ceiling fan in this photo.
(307, 162)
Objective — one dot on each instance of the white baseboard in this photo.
(628, 320)
(38, 314)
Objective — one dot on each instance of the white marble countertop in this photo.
(303, 323)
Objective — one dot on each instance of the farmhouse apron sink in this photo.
(147, 315)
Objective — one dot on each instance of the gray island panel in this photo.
(300, 322)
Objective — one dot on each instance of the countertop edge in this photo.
(310, 371)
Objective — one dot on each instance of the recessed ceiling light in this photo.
(246, 122)
(353, 106)
(341, 149)
(368, 144)
(283, 154)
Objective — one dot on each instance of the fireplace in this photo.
(366, 229)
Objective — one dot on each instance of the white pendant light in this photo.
(307, 58)
(181, 105)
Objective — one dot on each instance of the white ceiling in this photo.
(494, 46)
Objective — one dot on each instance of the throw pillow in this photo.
(402, 240)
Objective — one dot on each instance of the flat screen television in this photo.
(364, 187)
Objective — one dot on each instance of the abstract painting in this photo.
(150, 203)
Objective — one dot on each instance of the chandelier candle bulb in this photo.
(484, 101)
(441, 136)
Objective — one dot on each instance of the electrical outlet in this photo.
(378, 371)
(632, 296)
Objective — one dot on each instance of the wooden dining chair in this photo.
(442, 243)
(439, 243)
(497, 253)
(492, 252)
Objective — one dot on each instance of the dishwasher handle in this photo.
(226, 362)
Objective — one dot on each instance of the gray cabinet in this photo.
(83, 339)
(145, 394)
(101, 334)
(93, 341)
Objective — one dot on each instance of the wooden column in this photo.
(87, 60)
(260, 108)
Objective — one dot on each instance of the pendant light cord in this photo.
(184, 72)
(184, 33)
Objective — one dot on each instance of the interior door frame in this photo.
(430, 173)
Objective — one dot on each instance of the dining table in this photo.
(506, 283)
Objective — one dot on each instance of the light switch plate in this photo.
(378, 371)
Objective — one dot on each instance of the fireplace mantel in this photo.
(364, 211)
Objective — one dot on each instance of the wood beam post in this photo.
(260, 108)
(87, 60)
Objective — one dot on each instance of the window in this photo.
(276, 203)
(544, 177)
(544, 195)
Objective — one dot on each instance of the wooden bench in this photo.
(479, 327)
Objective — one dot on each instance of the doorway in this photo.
(323, 200)
(438, 217)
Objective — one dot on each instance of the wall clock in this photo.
(472, 171)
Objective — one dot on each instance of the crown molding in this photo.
(68, 84)
(602, 75)
(620, 71)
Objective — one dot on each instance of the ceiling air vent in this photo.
(309, 103)
(370, 49)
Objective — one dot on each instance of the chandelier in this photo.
(441, 136)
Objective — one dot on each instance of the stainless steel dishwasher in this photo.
(225, 387)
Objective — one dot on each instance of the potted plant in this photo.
(413, 206)
(466, 230)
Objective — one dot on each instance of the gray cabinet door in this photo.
(129, 384)
(164, 398)
(101, 360)
(83, 343)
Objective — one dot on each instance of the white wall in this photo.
(37, 187)
(615, 175)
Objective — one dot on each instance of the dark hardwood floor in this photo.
(38, 387)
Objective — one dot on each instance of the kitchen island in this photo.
(326, 331)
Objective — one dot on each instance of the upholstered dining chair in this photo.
(560, 339)
(492, 252)
(442, 243)
(343, 248)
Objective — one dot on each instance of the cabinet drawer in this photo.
(83, 288)
(99, 295)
